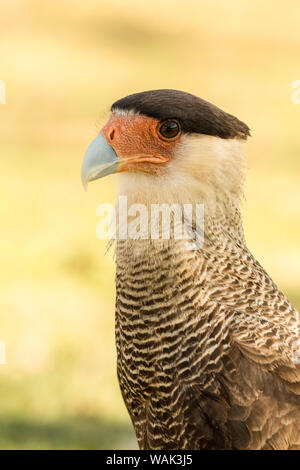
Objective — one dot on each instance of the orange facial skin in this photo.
(138, 144)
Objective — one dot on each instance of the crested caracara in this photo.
(207, 344)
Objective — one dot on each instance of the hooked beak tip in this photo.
(85, 186)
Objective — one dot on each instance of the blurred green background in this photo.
(64, 62)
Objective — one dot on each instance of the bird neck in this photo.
(224, 223)
(218, 221)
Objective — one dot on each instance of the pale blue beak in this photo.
(100, 160)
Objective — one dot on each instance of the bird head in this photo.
(168, 142)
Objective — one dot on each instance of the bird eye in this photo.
(169, 129)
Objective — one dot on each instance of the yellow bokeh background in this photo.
(64, 63)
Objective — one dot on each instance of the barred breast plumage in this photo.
(208, 347)
(193, 371)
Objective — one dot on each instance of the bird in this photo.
(207, 344)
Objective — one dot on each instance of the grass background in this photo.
(64, 62)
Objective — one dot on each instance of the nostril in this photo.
(111, 134)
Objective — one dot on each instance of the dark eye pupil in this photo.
(169, 129)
